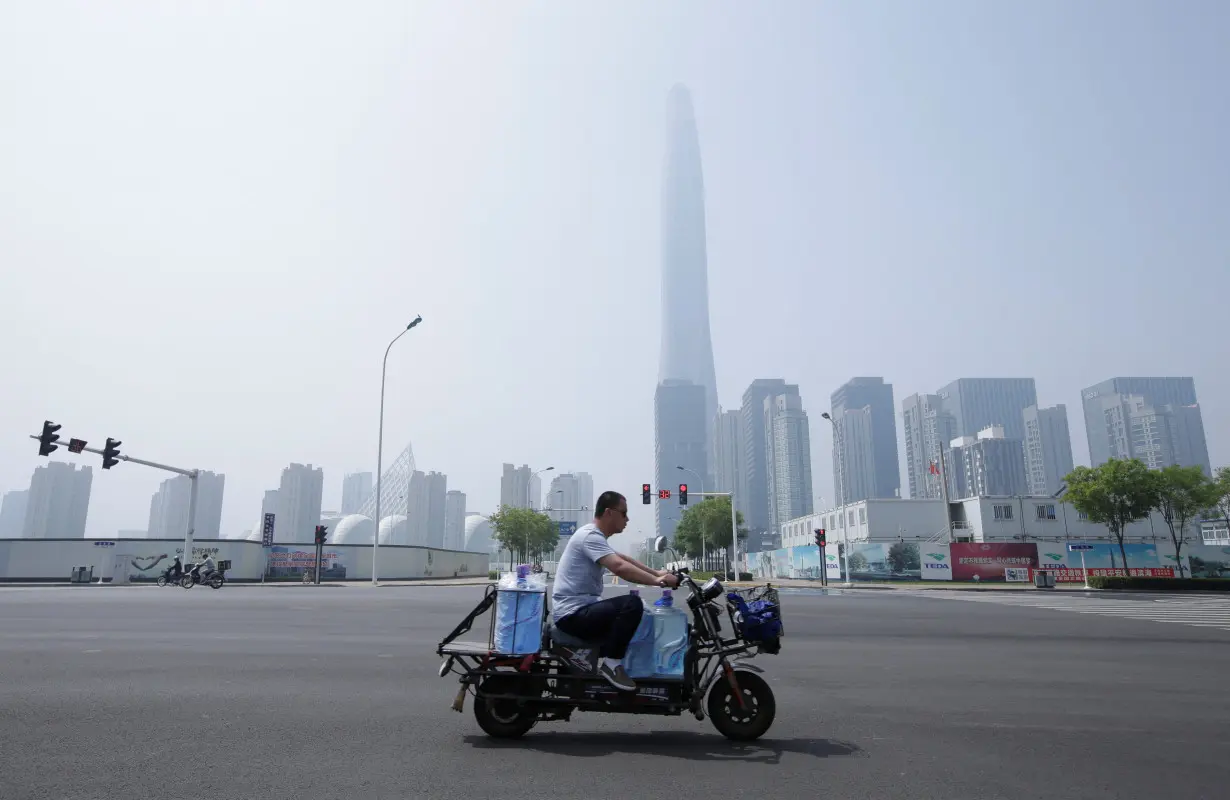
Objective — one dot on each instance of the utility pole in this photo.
(112, 456)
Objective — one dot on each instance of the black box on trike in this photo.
(514, 692)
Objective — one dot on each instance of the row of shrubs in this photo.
(1162, 584)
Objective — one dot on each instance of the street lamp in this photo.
(380, 443)
(703, 532)
(841, 493)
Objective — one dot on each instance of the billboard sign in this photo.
(267, 531)
(567, 527)
(974, 561)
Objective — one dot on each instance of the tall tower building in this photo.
(788, 456)
(299, 498)
(979, 403)
(1157, 420)
(1048, 449)
(863, 410)
(454, 520)
(13, 513)
(728, 462)
(686, 358)
(437, 497)
(520, 488)
(756, 469)
(571, 498)
(168, 508)
(986, 465)
(356, 488)
(58, 502)
(679, 422)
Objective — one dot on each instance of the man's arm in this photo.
(650, 570)
(632, 572)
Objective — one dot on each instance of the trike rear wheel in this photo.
(745, 722)
(502, 719)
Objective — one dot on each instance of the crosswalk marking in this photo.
(1198, 612)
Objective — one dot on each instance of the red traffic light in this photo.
(683, 494)
(645, 489)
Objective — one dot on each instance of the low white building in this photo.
(976, 519)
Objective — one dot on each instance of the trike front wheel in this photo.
(748, 721)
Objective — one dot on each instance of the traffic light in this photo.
(46, 442)
(683, 494)
(110, 453)
(645, 493)
(322, 533)
(821, 538)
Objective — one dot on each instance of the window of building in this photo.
(862, 516)
(1045, 511)
(1002, 512)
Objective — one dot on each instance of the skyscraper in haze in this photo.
(687, 352)
(867, 461)
(356, 488)
(1156, 420)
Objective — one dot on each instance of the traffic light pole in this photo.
(192, 474)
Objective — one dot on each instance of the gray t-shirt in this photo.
(578, 578)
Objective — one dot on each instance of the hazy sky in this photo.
(214, 216)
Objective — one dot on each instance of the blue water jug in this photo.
(641, 659)
(518, 615)
(670, 639)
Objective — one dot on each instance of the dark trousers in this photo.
(611, 622)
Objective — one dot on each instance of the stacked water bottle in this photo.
(661, 641)
(519, 603)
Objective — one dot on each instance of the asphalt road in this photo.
(332, 692)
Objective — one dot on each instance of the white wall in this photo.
(980, 513)
(53, 559)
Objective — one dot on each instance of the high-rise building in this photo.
(1048, 449)
(570, 498)
(685, 368)
(356, 488)
(927, 429)
(986, 465)
(962, 408)
(454, 520)
(687, 352)
(58, 502)
(299, 502)
(788, 456)
(680, 436)
(13, 513)
(520, 487)
(756, 469)
(269, 505)
(168, 508)
(728, 461)
(863, 409)
(978, 403)
(1157, 420)
(437, 498)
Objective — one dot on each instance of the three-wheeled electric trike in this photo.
(513, 693)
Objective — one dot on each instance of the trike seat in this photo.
(568, 640)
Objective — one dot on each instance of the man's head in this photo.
(611, 513)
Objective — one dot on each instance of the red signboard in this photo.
(986, 562)
(1075, 575)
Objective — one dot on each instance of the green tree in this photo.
(858, 562)
(710, 520)
(1182, 494)
(1115, 494)
(1222, 481)
(524, 531)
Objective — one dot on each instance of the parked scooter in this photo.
(514, 693)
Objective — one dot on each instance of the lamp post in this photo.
(841, 493)
(528, 483)
(704, 564)
(380, 444)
